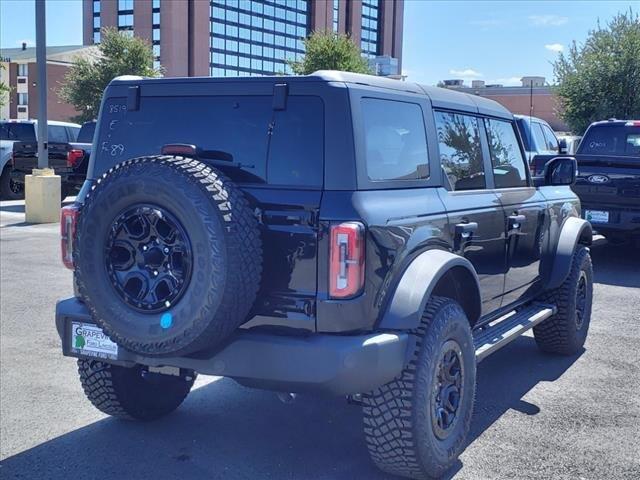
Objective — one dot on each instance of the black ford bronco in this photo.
(333, 233)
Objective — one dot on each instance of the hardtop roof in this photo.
(440, 97)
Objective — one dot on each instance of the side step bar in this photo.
(505, 329)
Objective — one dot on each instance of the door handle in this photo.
(465, 230)
(516, 221)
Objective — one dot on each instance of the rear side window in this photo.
(611, 140)
(508, 165)
(20, 132)
(73, 133)
(57, 134)
(460, 150)
(395, 140)
(276, 147)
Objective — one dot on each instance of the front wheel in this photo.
(132, 393)
(416, 426)
(566, 331)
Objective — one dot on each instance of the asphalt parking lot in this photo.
(536, 415)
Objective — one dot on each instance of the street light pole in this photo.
(41, 61)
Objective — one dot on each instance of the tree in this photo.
(601, 78)
(5, 90)
(117, 55)
(330, 51)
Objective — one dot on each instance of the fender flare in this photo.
(418, 281)
(573, 230)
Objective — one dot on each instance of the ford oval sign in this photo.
(598, 178)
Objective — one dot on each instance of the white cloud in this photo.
(468, 72)
(554, 47)
(548, 20)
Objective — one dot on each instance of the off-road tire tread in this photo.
(554, 334)
(244, 249)
(387, 412)
(106, 395)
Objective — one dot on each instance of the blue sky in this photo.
(495, 41)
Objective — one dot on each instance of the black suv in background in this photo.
(332, 233)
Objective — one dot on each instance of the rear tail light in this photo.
(346, 260)
(633, 123)
(74, 157)
(68, 222)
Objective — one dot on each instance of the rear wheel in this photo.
(132, 393)
(416, 426)
(10, 190)
(566, 331)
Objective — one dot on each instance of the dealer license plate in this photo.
(596, 216)
(89, 340)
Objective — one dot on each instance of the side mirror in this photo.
(559, 171)
(563, 148)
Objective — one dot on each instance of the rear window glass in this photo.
(86, 133)
(20, 132)
(283, 147)
(395, 140)
(611, 140)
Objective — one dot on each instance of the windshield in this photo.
(19, 132)
(611, 140)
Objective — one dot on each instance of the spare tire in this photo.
(168, 256)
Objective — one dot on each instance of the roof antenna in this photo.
(530, 118)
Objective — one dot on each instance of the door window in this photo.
(552, 141)
(538, 136)
(508, 165)
(395, 140)
(56, 134)
(460, 150)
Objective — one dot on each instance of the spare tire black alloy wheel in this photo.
(148, 258)
(168, 255)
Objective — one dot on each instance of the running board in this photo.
(507, 328)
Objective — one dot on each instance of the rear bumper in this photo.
(321, 363)
(18, 176)
(623, 220)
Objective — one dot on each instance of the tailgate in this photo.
(608, 180)
(25, 156)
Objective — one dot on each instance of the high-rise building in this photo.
(248, 37)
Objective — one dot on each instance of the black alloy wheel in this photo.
(148, 258)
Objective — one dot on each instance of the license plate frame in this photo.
(88, 340)
(596, 216)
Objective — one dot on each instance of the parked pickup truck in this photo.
(540, 142)
(68, 156)
(13, 131)
(608, 181)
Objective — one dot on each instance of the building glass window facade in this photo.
(370, 25)
(23, 69)
(256, 37)
(155, 32)
(336, 13)
(125, 16)
(23, 99)
(96, 21)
